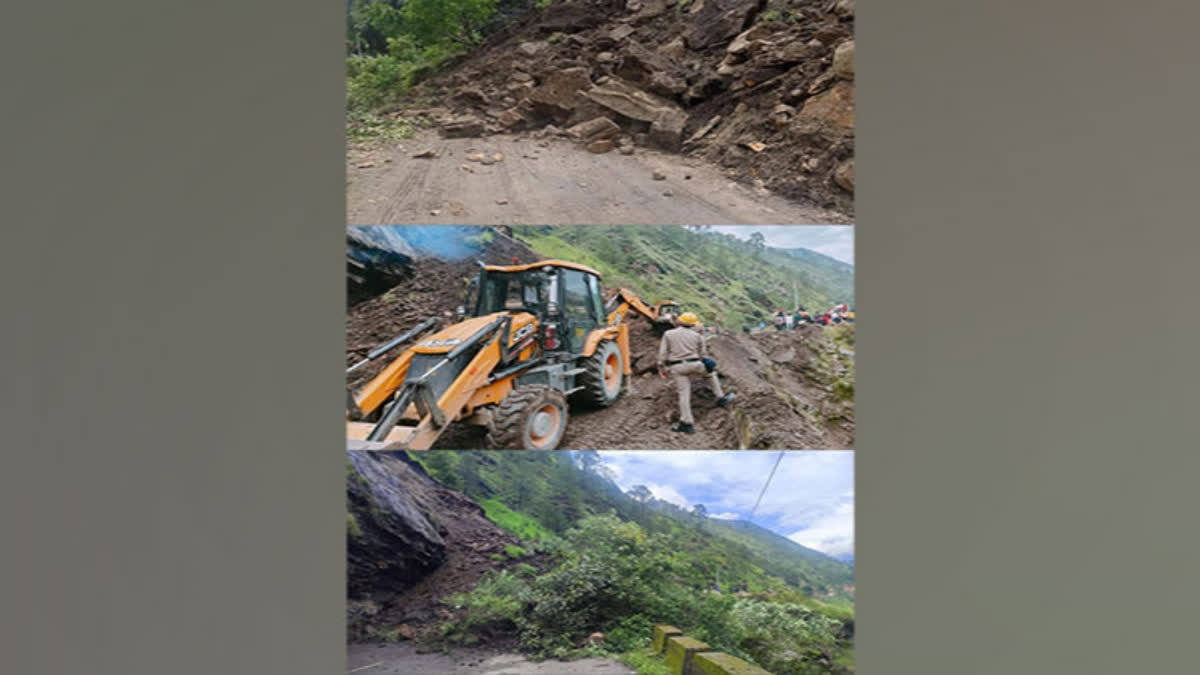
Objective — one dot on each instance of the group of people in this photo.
(782, 320)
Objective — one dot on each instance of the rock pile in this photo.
(763, 88)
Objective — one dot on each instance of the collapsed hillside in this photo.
(410, 543)
(762, 88)
(794, 388)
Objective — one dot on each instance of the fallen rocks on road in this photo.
(704, 78)
(600, 146)
(463, 127)
(595, 129)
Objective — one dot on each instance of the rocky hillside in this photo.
(762, 88)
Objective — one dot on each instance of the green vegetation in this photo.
(615, 577)
(352, 527)
(723, 279)
(517, 523)
(393, 44)
(611, 563)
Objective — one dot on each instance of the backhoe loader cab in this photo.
(667, 311)
(529, 337)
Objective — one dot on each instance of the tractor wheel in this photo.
(533, 417)
(601, 379)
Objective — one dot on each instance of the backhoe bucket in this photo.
(436, 388)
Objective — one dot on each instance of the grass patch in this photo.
(514, 522)
(369, 126)
(644, 663)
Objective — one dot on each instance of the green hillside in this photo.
(721, 278)
(604, 561)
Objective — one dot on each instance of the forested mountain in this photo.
(724, 279)
(556, 490)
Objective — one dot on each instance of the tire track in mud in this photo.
(549, 181)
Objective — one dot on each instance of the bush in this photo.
(374, 80)
(783, 638)
(614, 577)
(496, 603)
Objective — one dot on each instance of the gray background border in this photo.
(172, 487)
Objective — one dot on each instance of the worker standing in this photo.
(684, 353)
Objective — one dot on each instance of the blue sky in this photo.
(835, 241)
(810, 500)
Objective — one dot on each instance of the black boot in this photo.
(684, 428)
(724, 400)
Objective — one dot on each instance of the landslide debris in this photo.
(762, 88)
(410, 543)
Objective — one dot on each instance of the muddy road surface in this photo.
(409, 659)
(550, 181)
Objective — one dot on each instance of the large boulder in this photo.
(391, 542)
(666, 132)
(718, 22)
(595, 129)
(559, 94)
(463, 127)
(843, 60)
(831, 110)
(629, 101)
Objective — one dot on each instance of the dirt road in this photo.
(408, 659)
(550, 181)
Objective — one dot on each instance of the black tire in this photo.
(598, 390)
(515, 420)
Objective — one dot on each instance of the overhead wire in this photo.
(766, 484)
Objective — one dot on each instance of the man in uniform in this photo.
(683, 353)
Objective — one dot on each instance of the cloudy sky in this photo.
(810, 500)
(835, 241)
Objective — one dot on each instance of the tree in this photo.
(758, 242)
(640, 493)
(462, 21)
(699, 511)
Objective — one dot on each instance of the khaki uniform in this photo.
(680, 344)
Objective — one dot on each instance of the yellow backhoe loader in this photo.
(662, 315)
(528, 337)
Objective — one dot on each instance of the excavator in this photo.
(527, 338)
(620, 301)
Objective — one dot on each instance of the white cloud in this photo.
(668, 494)
(811, 495)
(835, 241)
(832, 533)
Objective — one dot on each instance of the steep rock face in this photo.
(391, 542)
